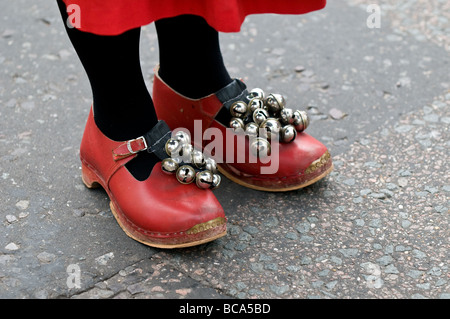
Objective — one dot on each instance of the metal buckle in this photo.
(129, 145)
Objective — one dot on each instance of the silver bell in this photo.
(251, 129)
(210, 165)
(183, 137)
(288, 133)
(260, 147)
(301, 120)
(177, 160)
(238, 109)
(169, 165)
(186, 153)
(256, 103)
(270, 126)
(275, 102)
(173, 147)
(237, 124)
(204, 179)
(287, 116)
(185, 174)
(256, 92)
(260, 115)
(217, 179)
(198, 159)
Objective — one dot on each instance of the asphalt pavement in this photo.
(376, 227)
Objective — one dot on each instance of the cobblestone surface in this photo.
(377, 227)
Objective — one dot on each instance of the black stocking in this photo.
(123, 107)
(190, 58)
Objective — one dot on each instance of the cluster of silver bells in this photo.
(264, 116)
(189, 164)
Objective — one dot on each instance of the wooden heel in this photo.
(89, 178)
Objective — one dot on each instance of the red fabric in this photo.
(117, 16)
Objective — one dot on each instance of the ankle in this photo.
(125, 123)
(193, 84)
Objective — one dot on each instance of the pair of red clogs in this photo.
(169, 212)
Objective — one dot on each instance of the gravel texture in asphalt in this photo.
(376, 227)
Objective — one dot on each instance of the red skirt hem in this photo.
(115, 17)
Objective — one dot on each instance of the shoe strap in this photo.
(233, 92)
(153, 141)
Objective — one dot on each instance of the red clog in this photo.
(297, 164)
(158, 212)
